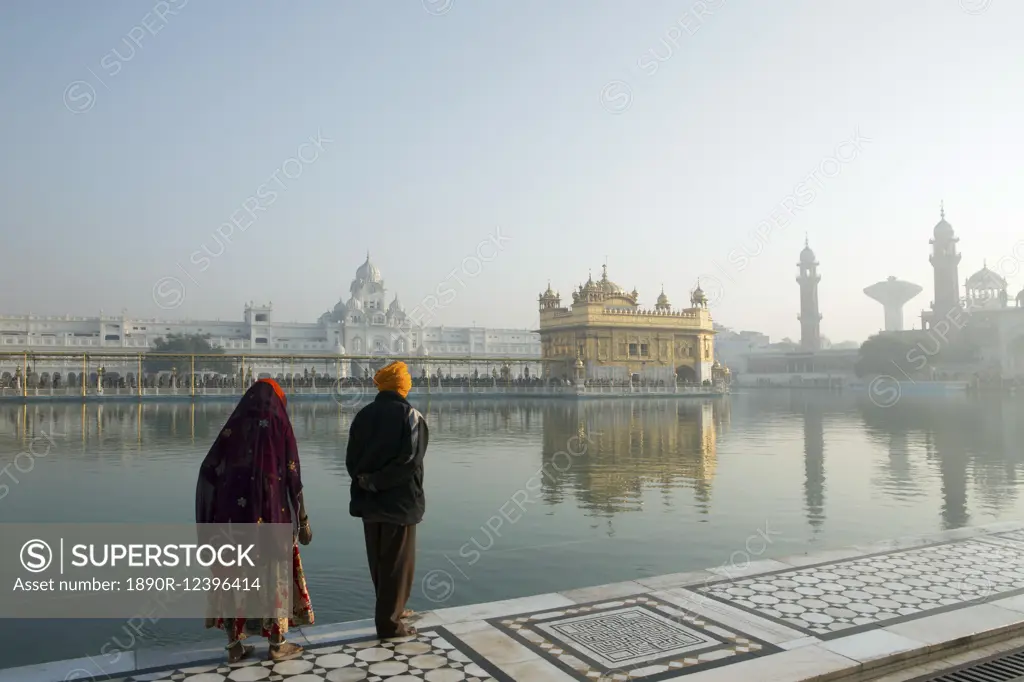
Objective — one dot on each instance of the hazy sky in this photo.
(442, 123)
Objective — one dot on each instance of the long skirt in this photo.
(302, 610)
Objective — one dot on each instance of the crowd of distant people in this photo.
(306, 380)
(309, 380)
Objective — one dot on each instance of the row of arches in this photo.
(380, 344)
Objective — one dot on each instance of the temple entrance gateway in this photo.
(686, 374)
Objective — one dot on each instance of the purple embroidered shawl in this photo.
(251, 474)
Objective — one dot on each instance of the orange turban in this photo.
(395, 377)
(277, 389)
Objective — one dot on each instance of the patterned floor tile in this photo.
(1013, 536)
(637, 638)
(434, 655)
(841, 598)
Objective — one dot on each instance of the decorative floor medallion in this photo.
(432, 656)
(840, 598)
(639, 638)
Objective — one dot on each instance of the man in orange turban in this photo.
(386, 446)
(395, 377)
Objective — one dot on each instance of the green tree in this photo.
(913, 354)
(182, 345)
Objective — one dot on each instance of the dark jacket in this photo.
(386, 446)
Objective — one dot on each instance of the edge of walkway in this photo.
(858, 656)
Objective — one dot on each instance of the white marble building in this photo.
(367, 324)
(372, 325)
(732, 348)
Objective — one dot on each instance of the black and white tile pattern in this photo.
(1012, 536)
(431, 656)
(636, 638)
(840, 598)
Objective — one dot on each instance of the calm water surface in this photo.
(659, 486)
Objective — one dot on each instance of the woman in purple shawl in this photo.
(252, 475)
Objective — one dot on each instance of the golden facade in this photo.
(615, 338)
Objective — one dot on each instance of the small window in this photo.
(632, 349)
(261, 317)
(261, 340)
(643, 350)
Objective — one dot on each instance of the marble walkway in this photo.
(843, 614)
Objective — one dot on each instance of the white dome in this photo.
(368, 272)
(986, 279)
(353, 304)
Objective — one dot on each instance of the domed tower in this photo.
(662, 304)
(368, 287)
(549, 299)
(697, 298)
(368, 272)
(396, 313)
(944, 260)
(810, 318)
(985, 289)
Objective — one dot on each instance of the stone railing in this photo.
(346, 395)
(652, 313)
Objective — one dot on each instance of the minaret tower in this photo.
(810, 318)
(944, 260)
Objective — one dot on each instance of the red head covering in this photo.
(251, 473)
(277, 390)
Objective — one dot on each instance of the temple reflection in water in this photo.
(956, 459)
(628, 447)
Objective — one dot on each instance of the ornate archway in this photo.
(686, 374)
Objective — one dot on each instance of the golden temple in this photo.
(606, 336)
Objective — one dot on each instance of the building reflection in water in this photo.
(814, 457)
(972, 443)
(619, 450)
(958, 455)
